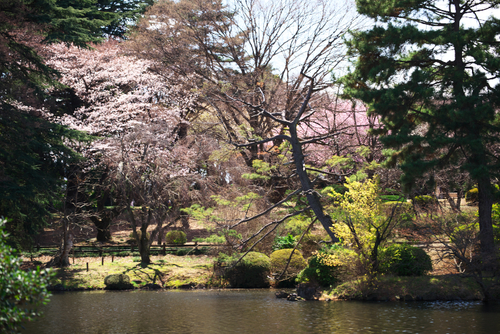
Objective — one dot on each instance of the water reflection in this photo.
(254, 311)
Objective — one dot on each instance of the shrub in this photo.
(118, 282)
(21, 291)
(311, 243)
(495, 216)
(465, 233)
(212, 239)
(251, 272)
(425, 201)
(404, 213)
(322, 269)
(192, 251)
(279, 260)
(284, 242)
(176, 238)
(472, 195)
(405, 260)
(330, 265)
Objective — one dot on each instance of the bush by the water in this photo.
(251, 272)
(21, 291)
(118, 282)
(323, 268)
(279, 260)
(176, 238)
(405, 260)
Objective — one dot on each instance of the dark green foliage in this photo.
(20, 291)
(118, 282)
(435, 112)
(192, 251)
(321, 269)
(125, 13)
(405, 260)
(425, 201)
(251, 272)
(339, 188)
(284, 242)
(34, 158)
(176, 237)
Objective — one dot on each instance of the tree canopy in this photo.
(430, 69)
(34, 152)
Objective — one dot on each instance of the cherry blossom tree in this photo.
(143, 150)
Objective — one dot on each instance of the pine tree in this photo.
(428, 68)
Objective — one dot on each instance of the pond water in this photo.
(252, 311)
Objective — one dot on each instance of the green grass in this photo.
(169, 271)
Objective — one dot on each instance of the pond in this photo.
(252, 311)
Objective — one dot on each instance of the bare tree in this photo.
(260, 66)
(252, 53)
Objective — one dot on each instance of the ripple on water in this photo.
(254, 311)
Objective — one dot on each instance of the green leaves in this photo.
(20, 291)
(427, 101)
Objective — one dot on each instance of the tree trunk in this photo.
(62, 257)
(103, 231)
(105, 216)
(485, 221)
(102, 225)
(307, 189)
(374, 254)
(141, 236)
(144, 245)
(454, 207)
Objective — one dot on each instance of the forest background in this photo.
(244, 118)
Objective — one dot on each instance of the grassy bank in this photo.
(424, 288)
(168, 271)
(192, 271)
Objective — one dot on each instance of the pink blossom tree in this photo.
(143, 151)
